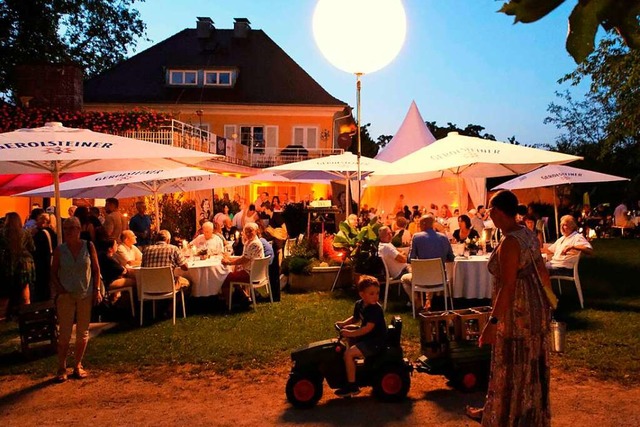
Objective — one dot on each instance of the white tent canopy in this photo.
(412, 135)
(553, 175)
(54, 148)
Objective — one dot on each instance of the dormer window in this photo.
(225, 77)
(183, 77)
(218, 78)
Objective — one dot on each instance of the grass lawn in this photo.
(603, 338)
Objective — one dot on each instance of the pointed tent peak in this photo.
(412, 135)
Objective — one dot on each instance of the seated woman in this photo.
(530, 223)
(114, 275)
(128, 255)
(465, 231)
(565, 252)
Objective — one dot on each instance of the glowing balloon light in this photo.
(359, 36)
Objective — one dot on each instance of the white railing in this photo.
(179, 134)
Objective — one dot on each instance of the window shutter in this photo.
(229, 130)
(298, 136)
(312, 138)
(271, 139)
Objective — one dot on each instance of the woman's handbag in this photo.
(545, 282)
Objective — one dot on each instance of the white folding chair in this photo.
(388, 281)
(427, 276)
(158, 283)
(258, 277)
(575, 278)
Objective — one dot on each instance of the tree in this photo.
(604, 127)
(368, 147)
(586, 17)
(96, 34)
(471, 130)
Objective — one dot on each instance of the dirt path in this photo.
(166, 396)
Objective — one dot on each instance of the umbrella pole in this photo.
(555, 209)
(459, 190)
(56, 192)
(156, 209)
(347, 198)
(358, 87)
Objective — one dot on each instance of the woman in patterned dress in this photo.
(518, 328)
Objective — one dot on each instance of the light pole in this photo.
(359, 37)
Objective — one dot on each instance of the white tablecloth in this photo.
(206, 276)
(471, 278)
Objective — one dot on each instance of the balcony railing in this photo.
(179, 134)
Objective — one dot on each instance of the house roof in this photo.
(267, 75)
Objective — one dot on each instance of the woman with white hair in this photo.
(566, 250)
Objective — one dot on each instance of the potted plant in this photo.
(305, 272)
(361, 246)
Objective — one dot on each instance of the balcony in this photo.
(179, 134)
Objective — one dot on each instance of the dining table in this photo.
(205, 275)
(470, 277)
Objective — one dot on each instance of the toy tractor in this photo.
(388, 372)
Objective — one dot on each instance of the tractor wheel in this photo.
(392, 384)
(468, 380)
(304, 390)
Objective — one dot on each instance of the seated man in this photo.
(566, 250)
(252, 249)
(427, 244)
(128, 255)
(396, 261)
(621, 217)
(164, 254)
(209, 240)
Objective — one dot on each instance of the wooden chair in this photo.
(258, 277)
(428, 276)
(158, 283)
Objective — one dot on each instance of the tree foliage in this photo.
(368, 147)
(96, 34)
(470, 130)
(604, 126)
(584, 20)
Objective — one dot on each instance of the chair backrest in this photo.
(156, 280)
(259, 270)
(386, 270)
(575, 266)
(427, 272)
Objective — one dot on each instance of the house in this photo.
(235, 83)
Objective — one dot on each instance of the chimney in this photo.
(241, 28)
(204, 27)
(43, 85)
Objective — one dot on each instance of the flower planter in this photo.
(321, 279)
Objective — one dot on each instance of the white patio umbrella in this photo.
(465, 156)
(330, 168)
(554, 175)
(122, 184)
(54, 148)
